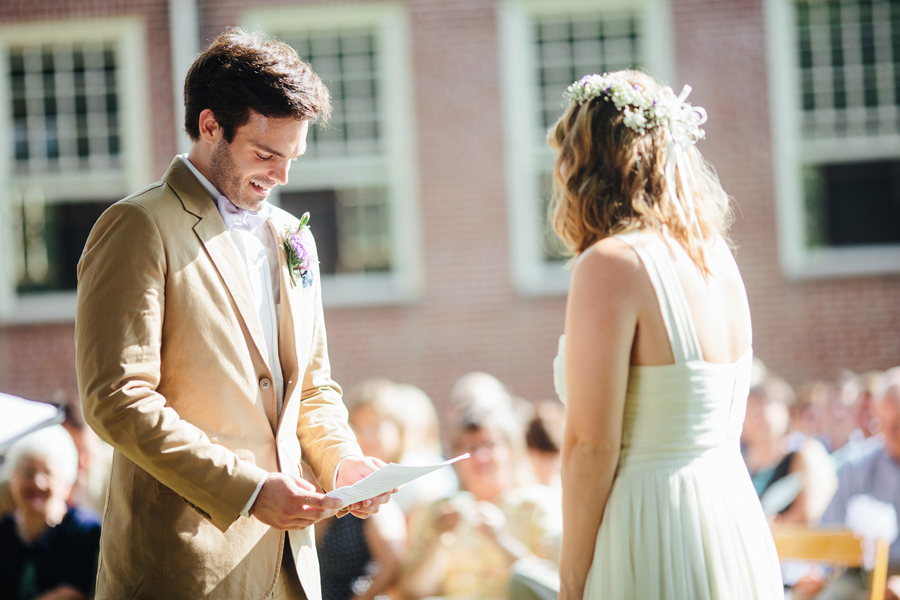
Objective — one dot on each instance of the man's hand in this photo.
(286, 502)
(353, 469)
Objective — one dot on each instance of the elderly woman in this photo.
(497, 538)
(49, 549)
(361, 559)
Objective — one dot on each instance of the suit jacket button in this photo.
(265, 383)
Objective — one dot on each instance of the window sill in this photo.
(378, 289)
(32, 309)
(821, 263)
(367, 289)
(548, 279)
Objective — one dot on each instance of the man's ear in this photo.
(210, 130)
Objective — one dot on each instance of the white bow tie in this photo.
(232, 214)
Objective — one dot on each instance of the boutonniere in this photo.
(298, 258)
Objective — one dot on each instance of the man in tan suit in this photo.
(201, 351)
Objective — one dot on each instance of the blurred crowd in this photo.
(812, 450)
(490, 526)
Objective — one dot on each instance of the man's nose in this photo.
(279, 172)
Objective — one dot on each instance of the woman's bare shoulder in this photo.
(609, 273)
(609, 257)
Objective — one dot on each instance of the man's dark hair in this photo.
(242, 71)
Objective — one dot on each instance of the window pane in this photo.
(569, 46)
(849, 68)
(854, 203)
(52, 237)
(352, 224)
(352, 227)
(347, 61)
(849, 74)
(63, 95)
(553, 247)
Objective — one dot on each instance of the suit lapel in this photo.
(287, 345)
(221, 249)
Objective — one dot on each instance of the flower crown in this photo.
(643, 110)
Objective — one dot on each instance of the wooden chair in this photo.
(832, 546)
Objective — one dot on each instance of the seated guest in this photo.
(49, 549)
(862, 438)
(421, 436)
(94, 457)
(361, 559)
(488, 540)
(543, 437)
(869, 384)
(841, 422)
(876, 474)
(797, 464)
(809, 410)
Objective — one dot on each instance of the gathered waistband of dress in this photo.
(663, 458)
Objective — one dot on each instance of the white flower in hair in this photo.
(636, 120)
(642, 109)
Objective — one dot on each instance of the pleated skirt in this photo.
(684, 528)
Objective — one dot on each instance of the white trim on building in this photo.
(792, 153)
(528, 157)
(74, 180)
(390, 166)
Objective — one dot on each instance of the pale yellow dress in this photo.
(682, 520)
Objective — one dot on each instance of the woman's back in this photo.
(656, 500)
(682, 519)
(717, 305)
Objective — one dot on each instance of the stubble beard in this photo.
(228, 179)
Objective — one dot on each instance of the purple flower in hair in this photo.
(298, 257)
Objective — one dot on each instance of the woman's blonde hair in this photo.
(610, 179)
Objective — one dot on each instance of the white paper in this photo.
(21, 416)
(385, 479)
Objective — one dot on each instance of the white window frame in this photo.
(789, 155)
(129, 35)
(404, 282)
(531, 274)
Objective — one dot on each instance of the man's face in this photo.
(888, 412)
(258, 158)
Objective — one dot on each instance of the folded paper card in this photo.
(385, 479)
(21, 417)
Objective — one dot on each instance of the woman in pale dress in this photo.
(657, 502)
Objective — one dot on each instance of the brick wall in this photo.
(803, 329)
(470, 317)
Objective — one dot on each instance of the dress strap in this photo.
(655, 254)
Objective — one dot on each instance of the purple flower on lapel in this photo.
(298, 257)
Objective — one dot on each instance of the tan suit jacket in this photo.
(171, 373)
